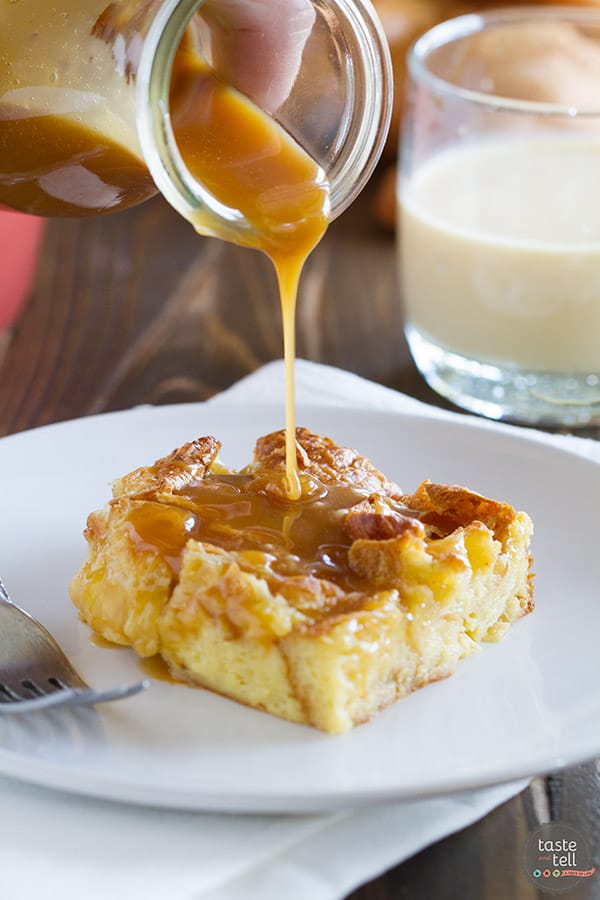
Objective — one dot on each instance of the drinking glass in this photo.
(499, 214)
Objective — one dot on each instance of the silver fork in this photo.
(34, 671)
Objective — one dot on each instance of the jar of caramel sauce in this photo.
(258, 120)
(102, 104)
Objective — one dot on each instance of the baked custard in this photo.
(322, 610)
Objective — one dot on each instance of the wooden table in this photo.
(135, 308)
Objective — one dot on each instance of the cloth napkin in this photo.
(62, 847)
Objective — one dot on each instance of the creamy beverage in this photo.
(500, 252)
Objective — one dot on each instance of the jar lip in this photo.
(474, 23)
(371, 79)
(377, 86)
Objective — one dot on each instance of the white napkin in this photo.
(327, 386)
(63, 847)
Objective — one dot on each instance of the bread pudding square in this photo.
(323, 610)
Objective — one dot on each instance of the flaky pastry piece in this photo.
(323, 610)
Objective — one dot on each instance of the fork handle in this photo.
(73, 697)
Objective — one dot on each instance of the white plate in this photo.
(528, 704)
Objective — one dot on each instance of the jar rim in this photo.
(474, 23)
(372, 81)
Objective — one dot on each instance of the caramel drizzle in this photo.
(253, 516)
(250, 164)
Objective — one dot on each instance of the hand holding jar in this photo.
(88, 109)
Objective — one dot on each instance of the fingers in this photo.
(257, 45)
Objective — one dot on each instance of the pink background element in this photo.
(20, 239)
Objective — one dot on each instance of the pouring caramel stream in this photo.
(248, 162)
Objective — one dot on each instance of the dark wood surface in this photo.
(135, 308)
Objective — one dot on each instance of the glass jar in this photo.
(89, 111)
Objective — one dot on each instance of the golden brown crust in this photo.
(324, 460)
(462, 506)
(376, 520)
(184, 465)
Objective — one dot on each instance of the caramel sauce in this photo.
(250, 163)
(64, 169)
(279, 537)
(155, 667)
(150, 666)
(98, 641)
(68, 142)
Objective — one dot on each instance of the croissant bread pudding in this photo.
(323, 610)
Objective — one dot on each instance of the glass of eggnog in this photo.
(499, 213)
